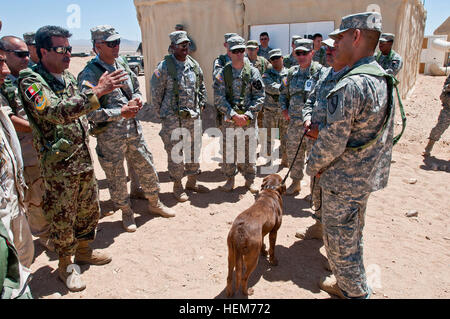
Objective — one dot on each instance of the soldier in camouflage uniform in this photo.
(390, 60)
(28, 37)
(315, 119)
(320, 52)
(443, 120)
(119, 134)
(272, 110)
(179, 95)
(264, 48)
(353, 152)
(296, 87)
(35, 191)
(56, 111)
(239, 96)
(289, 60)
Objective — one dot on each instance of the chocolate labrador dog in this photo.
(246, 237)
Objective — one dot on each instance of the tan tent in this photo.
(444, 29)
(206, 21)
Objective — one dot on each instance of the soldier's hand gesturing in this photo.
(108, 82)
(130, 110)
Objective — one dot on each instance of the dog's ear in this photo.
(281, 189)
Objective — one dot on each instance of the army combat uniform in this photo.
(294, 94)
(35, 191)
(60, 133)
(392, 62)
(264, 52)
(321, 56)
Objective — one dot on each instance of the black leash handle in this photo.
(295, 157)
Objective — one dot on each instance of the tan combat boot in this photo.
(179, 192)
(329, 284)
(71, 279)
(250, 185)
(128, 221)
(191, 185)
(229, 185)
(294, 188)
(313, 232)
(156, 207)
(86, 255)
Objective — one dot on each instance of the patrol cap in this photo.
(386, 37)
(274, 53)
(304, 45)
(362, 21)
(178, 37)
(229, 35)
(328, 42)
(29, 38)
(104, 33)
(236, 42)
(296, 37)
(252, 44)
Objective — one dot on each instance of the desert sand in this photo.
(186, 256)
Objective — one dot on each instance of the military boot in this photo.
(72, 278)
(128, 221)
(179, 192)
(329, 284)
(250, 185)
(156, 207)
(192, 185)
(428, 148)
(86, 255)
(294, 188)
(313, 232)
(229, 185)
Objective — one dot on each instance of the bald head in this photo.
(16, 53)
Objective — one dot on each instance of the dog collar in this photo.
(271, 187)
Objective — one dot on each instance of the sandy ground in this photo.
(186, 257)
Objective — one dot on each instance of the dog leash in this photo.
(295, 157)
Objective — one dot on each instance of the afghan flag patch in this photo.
(32, 91)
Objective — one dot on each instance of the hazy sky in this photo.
(22, 16)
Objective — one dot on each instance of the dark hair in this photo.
(317, 35)
(264, 34)
(44, 37)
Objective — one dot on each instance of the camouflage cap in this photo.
(229, 35)
(252, 44)
(328, 42)
(274, 53)
(104, 33)
(386, 37)
(29, 38)
(236, 42)
(362, 21)
(296, 37)
(178, 37)
(304, 45)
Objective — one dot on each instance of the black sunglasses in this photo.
(275, 58)
(19, 53)
(62, 50)
(184, 45)
(112, 44)
(238, 51)
(300, 53)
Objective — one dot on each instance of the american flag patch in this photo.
(157, 73)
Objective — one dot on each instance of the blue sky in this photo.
(22, 16)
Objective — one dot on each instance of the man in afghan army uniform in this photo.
(179, 96)
(296, 87)
(289, 60)
(315, 119)
(239, 96)
(443, 120)
(353, 152)
(28, 37)
(56, 110)
(272, 110)
(320, 52)
(389, 60)
(119, 134)
(35, 190)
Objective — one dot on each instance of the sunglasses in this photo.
(62, 50)
(19, 53)
(112, 44)
(275, 58)
(237, 51)
(301, 53)
(183, 45)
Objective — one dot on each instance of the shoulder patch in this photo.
(333, 103)
(88, 84)
(219, 77)
(40, 101)
(32, 90)
(157, 73)
(285, 81)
